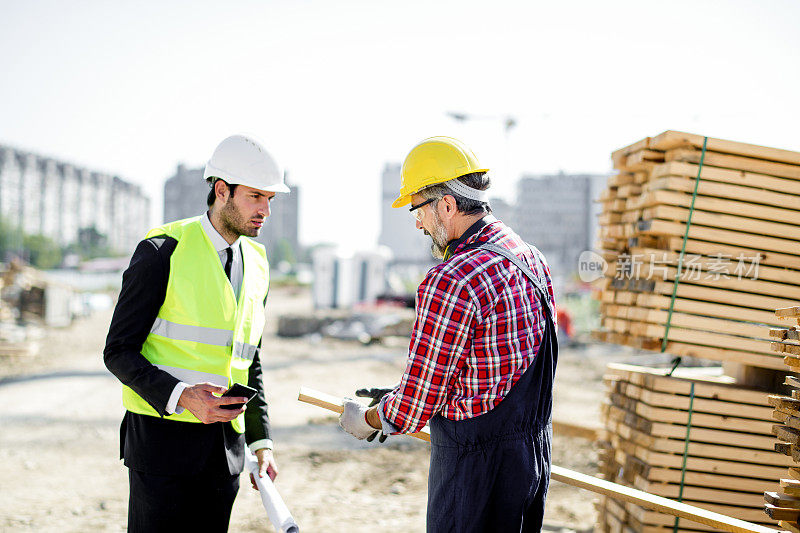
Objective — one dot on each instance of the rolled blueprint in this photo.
(277, 511)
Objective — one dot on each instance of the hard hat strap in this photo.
(466, 191)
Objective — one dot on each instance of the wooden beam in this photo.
(599, 486)
(674, 139)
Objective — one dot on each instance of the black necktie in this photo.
(228, 262)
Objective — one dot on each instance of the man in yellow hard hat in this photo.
(187, 328)
(482, 356)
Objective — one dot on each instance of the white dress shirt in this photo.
(237, 274)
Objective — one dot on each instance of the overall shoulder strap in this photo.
(520, 264)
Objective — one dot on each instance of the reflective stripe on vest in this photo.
(182, 332)
(193, 377)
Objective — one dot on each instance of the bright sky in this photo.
(339, 88)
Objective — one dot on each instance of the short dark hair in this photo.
(476, 180)
(212, 195)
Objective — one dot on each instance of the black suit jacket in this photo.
(159, 445)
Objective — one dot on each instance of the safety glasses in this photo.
(415, 209)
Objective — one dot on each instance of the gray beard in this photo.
(438, 238)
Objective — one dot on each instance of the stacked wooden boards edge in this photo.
(783, 502)
(731, 460)
(742, 254)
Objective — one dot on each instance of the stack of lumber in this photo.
(784, 504)
(742, 258)
(730, 457)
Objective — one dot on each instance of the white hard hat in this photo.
(243, 160)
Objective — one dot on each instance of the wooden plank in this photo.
(717, 159)
(781, 500)
(683, 320)
(673, 139)
(725, 190)
(704, 494)
(788, 312)
(618, 156)
(656, 256)
(333, 403)
(699, 404)
(723, 296)
(705, 338)
(591, 483)
(785, 334)
(695, 449)
(719, 387)
(723, 221)
(657, 301)
(724, 175)
(658, 503)
(742, 513)
(779, 513)
(711, 421)
(703, 479)
(694, 278)
(698, 463)
(768, 257)
(716, 205)
(720, 236)
(791, 527)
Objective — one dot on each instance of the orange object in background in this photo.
(564, 321)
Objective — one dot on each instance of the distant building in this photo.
(558, 215)
(185, 196)
(44, 196)
(398, 231)
(504, 211)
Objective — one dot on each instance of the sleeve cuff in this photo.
(386, 427)
(172, 405)
(257, 445)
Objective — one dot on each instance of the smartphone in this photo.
(238, 390)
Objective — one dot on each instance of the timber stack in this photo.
(699, 236)
(741, 262)
(701, 439)
(784, 504)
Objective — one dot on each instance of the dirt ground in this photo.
(59, 437)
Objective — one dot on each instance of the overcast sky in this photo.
(337, 89)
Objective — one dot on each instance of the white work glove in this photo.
(354, 419)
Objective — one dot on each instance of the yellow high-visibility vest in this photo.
(202, 333)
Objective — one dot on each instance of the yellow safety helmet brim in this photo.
(434, 160)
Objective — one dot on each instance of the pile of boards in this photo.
(724, 430)
(742, 258)
(784, 504)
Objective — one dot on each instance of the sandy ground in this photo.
(59, 437)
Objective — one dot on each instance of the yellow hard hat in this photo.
(434, 160)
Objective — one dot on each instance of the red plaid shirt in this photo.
(479, 325)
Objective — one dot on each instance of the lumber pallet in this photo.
(674, 139)
(729, 466)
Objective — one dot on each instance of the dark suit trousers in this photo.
(183, 476)
(180, 503)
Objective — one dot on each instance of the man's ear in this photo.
(221, 191)
(447, 207)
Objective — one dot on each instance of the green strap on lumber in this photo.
(683, 249)
(685, 448)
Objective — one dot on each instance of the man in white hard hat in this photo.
(187, 327)
(482, 356)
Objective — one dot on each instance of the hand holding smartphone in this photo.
(238, 391)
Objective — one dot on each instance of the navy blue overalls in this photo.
(490, 473)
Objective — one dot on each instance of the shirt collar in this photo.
(474, 229)
(217, 241)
